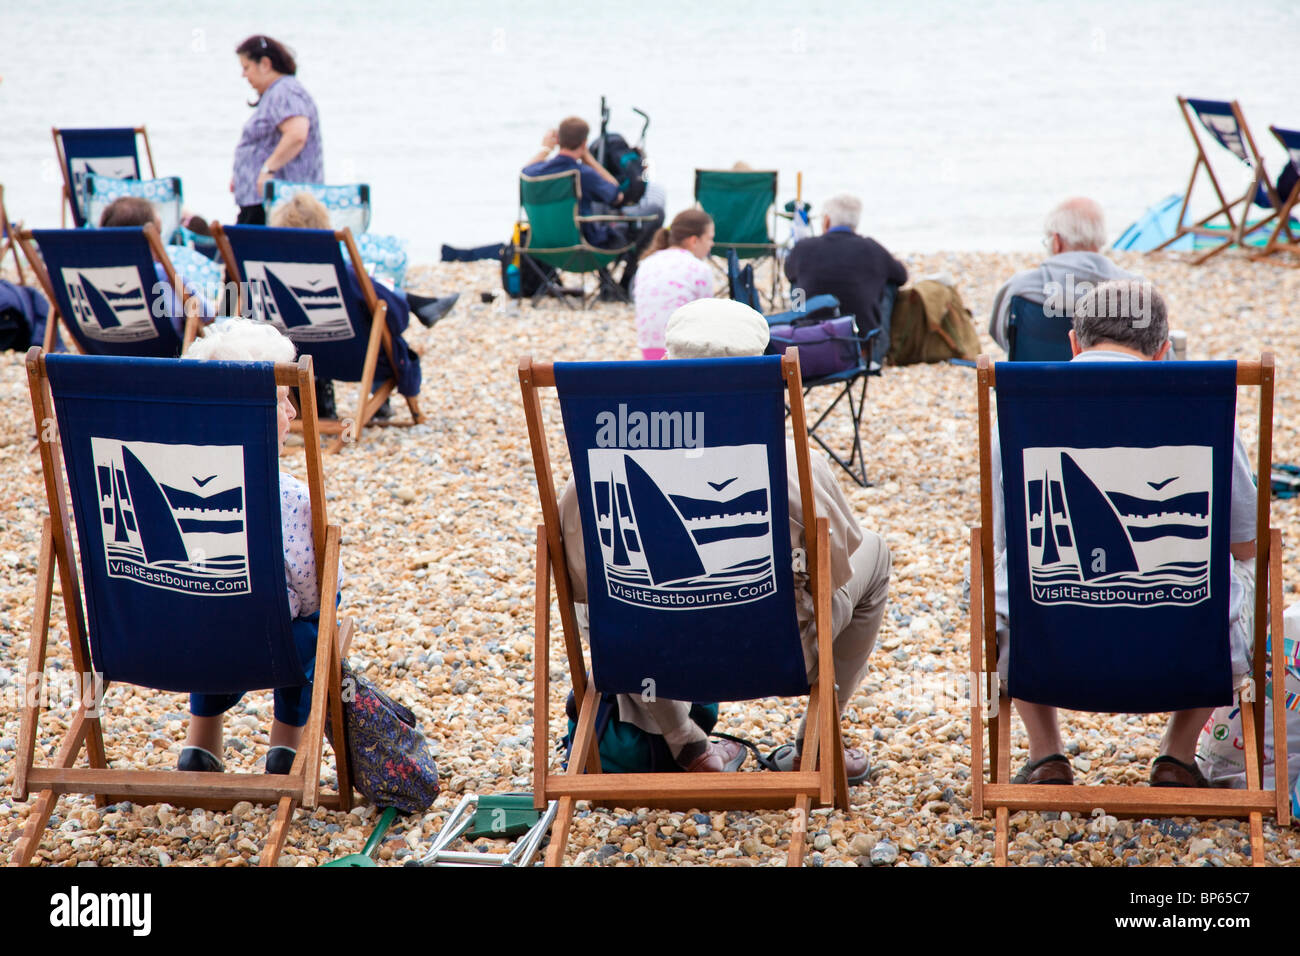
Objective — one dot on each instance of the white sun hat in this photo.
(715, 328)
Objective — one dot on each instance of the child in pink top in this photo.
(673, 273)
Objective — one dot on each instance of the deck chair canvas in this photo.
(1035, 336)
(108, 152)
(1290, 140)
(848, 385)
(1093, 581)
(135, 435)
(165, 194)
(296, 279)
(1226, 125)
(8, 241)
(103, 287)
(743, 208)
(715, 643)
(554, 236)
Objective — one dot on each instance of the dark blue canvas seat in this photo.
(1035, 336)
(1290, 199)
(1116, 481)
(173, 477)
(680, 472)
(296, 279)
(105, 288)
(108, 151)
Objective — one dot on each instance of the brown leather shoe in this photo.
(1167, 771)
(720, 756)
(1052, 769)
(857, 766)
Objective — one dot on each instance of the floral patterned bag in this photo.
(390, 760)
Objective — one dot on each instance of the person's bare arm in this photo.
(1243, 550)
(293, 137)
(549, 141)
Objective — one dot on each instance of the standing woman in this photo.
(281, 140)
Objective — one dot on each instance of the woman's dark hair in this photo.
(127, 211)
(687, 223)
(281, 57)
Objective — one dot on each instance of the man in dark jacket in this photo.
(853, 268)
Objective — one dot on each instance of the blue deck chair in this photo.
(790, 329)
(173, 475)
(1226, 124)
(1290, 140)
(1109, 610)
(104, 286)
(1035, 336)
(349, 208)
(107, 152)
(689, 585)
(164, 194)
(742, 205)
(296, 279)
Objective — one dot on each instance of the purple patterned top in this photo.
(283, 98)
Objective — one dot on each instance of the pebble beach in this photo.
(439, 522)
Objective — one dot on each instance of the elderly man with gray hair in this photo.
(853, 268)
(1126, 321)
(1075, 232)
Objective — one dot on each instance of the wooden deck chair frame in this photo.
(1003, 797)
(345, 431)
(824, 785)
(548, 286)
(1237, 230)
(8, 240)
(191, 304)
(66, 205)
(765, 250)
(213, 791)
(1288, 203)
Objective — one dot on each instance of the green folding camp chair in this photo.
(743, 208)
(555, 234)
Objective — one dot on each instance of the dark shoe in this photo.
(857, 766)
(429, 311)
(280, 759)
(1167, 771)
(325, 399)
(718, 756)
(384, 412)
(200, 760)
(1052, 769)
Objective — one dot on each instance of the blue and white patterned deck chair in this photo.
(851, 346)
(296, 279)
(107, 152)
(164, 194)
(1035, 336)
(349, 208)
(681, 475)
(1226, 124)
(1116, 478)
(1290, 140)
(173, 476)
(104, 287)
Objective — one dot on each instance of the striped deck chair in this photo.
(173, 476)
(105, 287)
(689, 584)
(107, 152)
(743, 208)
(1118, 571)
(1226, 124)
(297, 280)
(1290, 140)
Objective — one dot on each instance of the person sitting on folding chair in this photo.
(675, 272)
(134, 211)
(1075, 234)
(855, 269)
(244, 340)
(860, 566)
(600, 195)
(1127, 322)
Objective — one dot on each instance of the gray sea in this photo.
(959, 124)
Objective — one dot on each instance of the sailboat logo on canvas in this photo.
(1119, 526)
(303, 299)
(684, 528)
(108, 303)
(172, 516)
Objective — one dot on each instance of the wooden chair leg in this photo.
(279, 832)
(37, 819)
(1000, 838)
(560, 832)
(799, 831)
(1257, 840)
